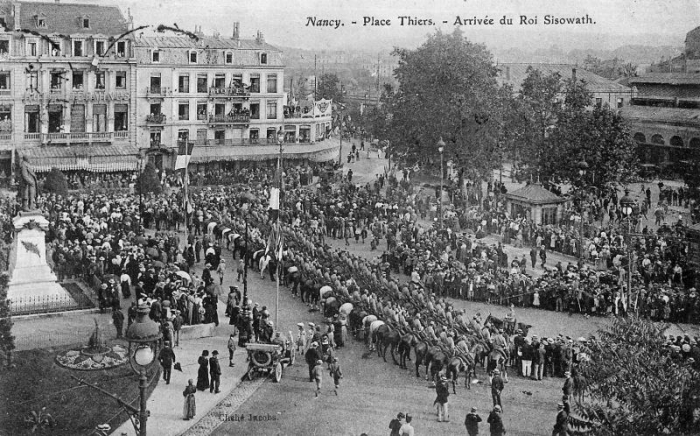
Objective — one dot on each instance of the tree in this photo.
(446, 90)
(149, 181)
(56, 182)
(631, 385)
(329, 88)
(610, 68)
(7, 340)
(557, 127)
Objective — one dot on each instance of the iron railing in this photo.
(26, 305)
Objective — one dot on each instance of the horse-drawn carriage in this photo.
(268, 359)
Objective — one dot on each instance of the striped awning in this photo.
(98, 159)
(319, 152)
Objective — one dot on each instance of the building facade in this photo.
(67, 87)
(223, 94)
(665, 116)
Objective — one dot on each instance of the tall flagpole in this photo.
(278, 250)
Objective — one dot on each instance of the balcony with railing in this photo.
(228, 91)
(243, 118)
(155, 119)
(157, 91)
(5, 136)
(81, 137)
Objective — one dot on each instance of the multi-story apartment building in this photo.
(224, 94)
(67, 87)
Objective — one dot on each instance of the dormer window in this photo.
(40, 20)
(263, 58)
(86, 22)
(228, 57)
(193, 56)
(155, 56)
(121, 49)
(78, 48)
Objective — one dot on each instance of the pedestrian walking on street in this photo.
(560, 426)
(203, 371)
(396, 424)
(471, 421)
(231, 349)
(311, 356)
(443, 392)
(189, 410)
(496, 388)
(118, 319)
(221, 270)
(568, 388)
(533, 257)
(166, 357)
(407, 429)
(318, 376)
(495, 421)
(336, 373)
(214, 372)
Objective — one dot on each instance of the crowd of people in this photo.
(100, 238)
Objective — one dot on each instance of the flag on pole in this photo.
(276, 188)
(184, 153)
(274, 241)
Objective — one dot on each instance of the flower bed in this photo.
(87, 359)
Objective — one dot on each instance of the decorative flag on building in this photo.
(184, 153)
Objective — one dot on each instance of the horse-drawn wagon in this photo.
(268, 359)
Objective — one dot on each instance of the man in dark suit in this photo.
(312, 356)
(166, 357)
(561, 423)
(214, 373)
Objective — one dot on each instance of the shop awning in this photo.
(319, 152)
(99, 159)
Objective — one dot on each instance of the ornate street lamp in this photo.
(441, 148)
(582, 169)
(144, 338)
(627, 204)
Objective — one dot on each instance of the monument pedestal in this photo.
(31, 277)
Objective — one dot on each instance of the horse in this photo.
(391, 339)
(373, 327)
(435, 361)
(355, 317)
(366, 322)
(404, 350)
(420, 349)
(464, 362)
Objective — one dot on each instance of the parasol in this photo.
(184, 275)
(158, 264)
(152, 252)
(325, 290)
(346, 308)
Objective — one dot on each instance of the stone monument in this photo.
(31, 276)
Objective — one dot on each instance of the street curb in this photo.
(55, 314)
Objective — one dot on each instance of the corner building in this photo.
(67, 88)
(222, 94)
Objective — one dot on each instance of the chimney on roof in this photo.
(260, 39)
(16, 12)
(236, 30)
(58, 1)
(508, 72)
(573, 75)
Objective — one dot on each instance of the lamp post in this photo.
(582, 169)
(140, 192)
(144, 340)
(627, 204)
(441, 148)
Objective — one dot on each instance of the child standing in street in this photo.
(231, 349)
(221, 270)
(318, 376)
(336, 373)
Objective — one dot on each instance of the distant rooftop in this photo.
(69, 18)
(515, 74)
(203, 42)
(667, 79)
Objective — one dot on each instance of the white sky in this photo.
(283, 22)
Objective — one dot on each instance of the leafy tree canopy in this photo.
(609, 68)
(446, 90)
(329, 88)
(56, 182)
(148, 180)
(633, 384)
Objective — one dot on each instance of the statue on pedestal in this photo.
(28, 186)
